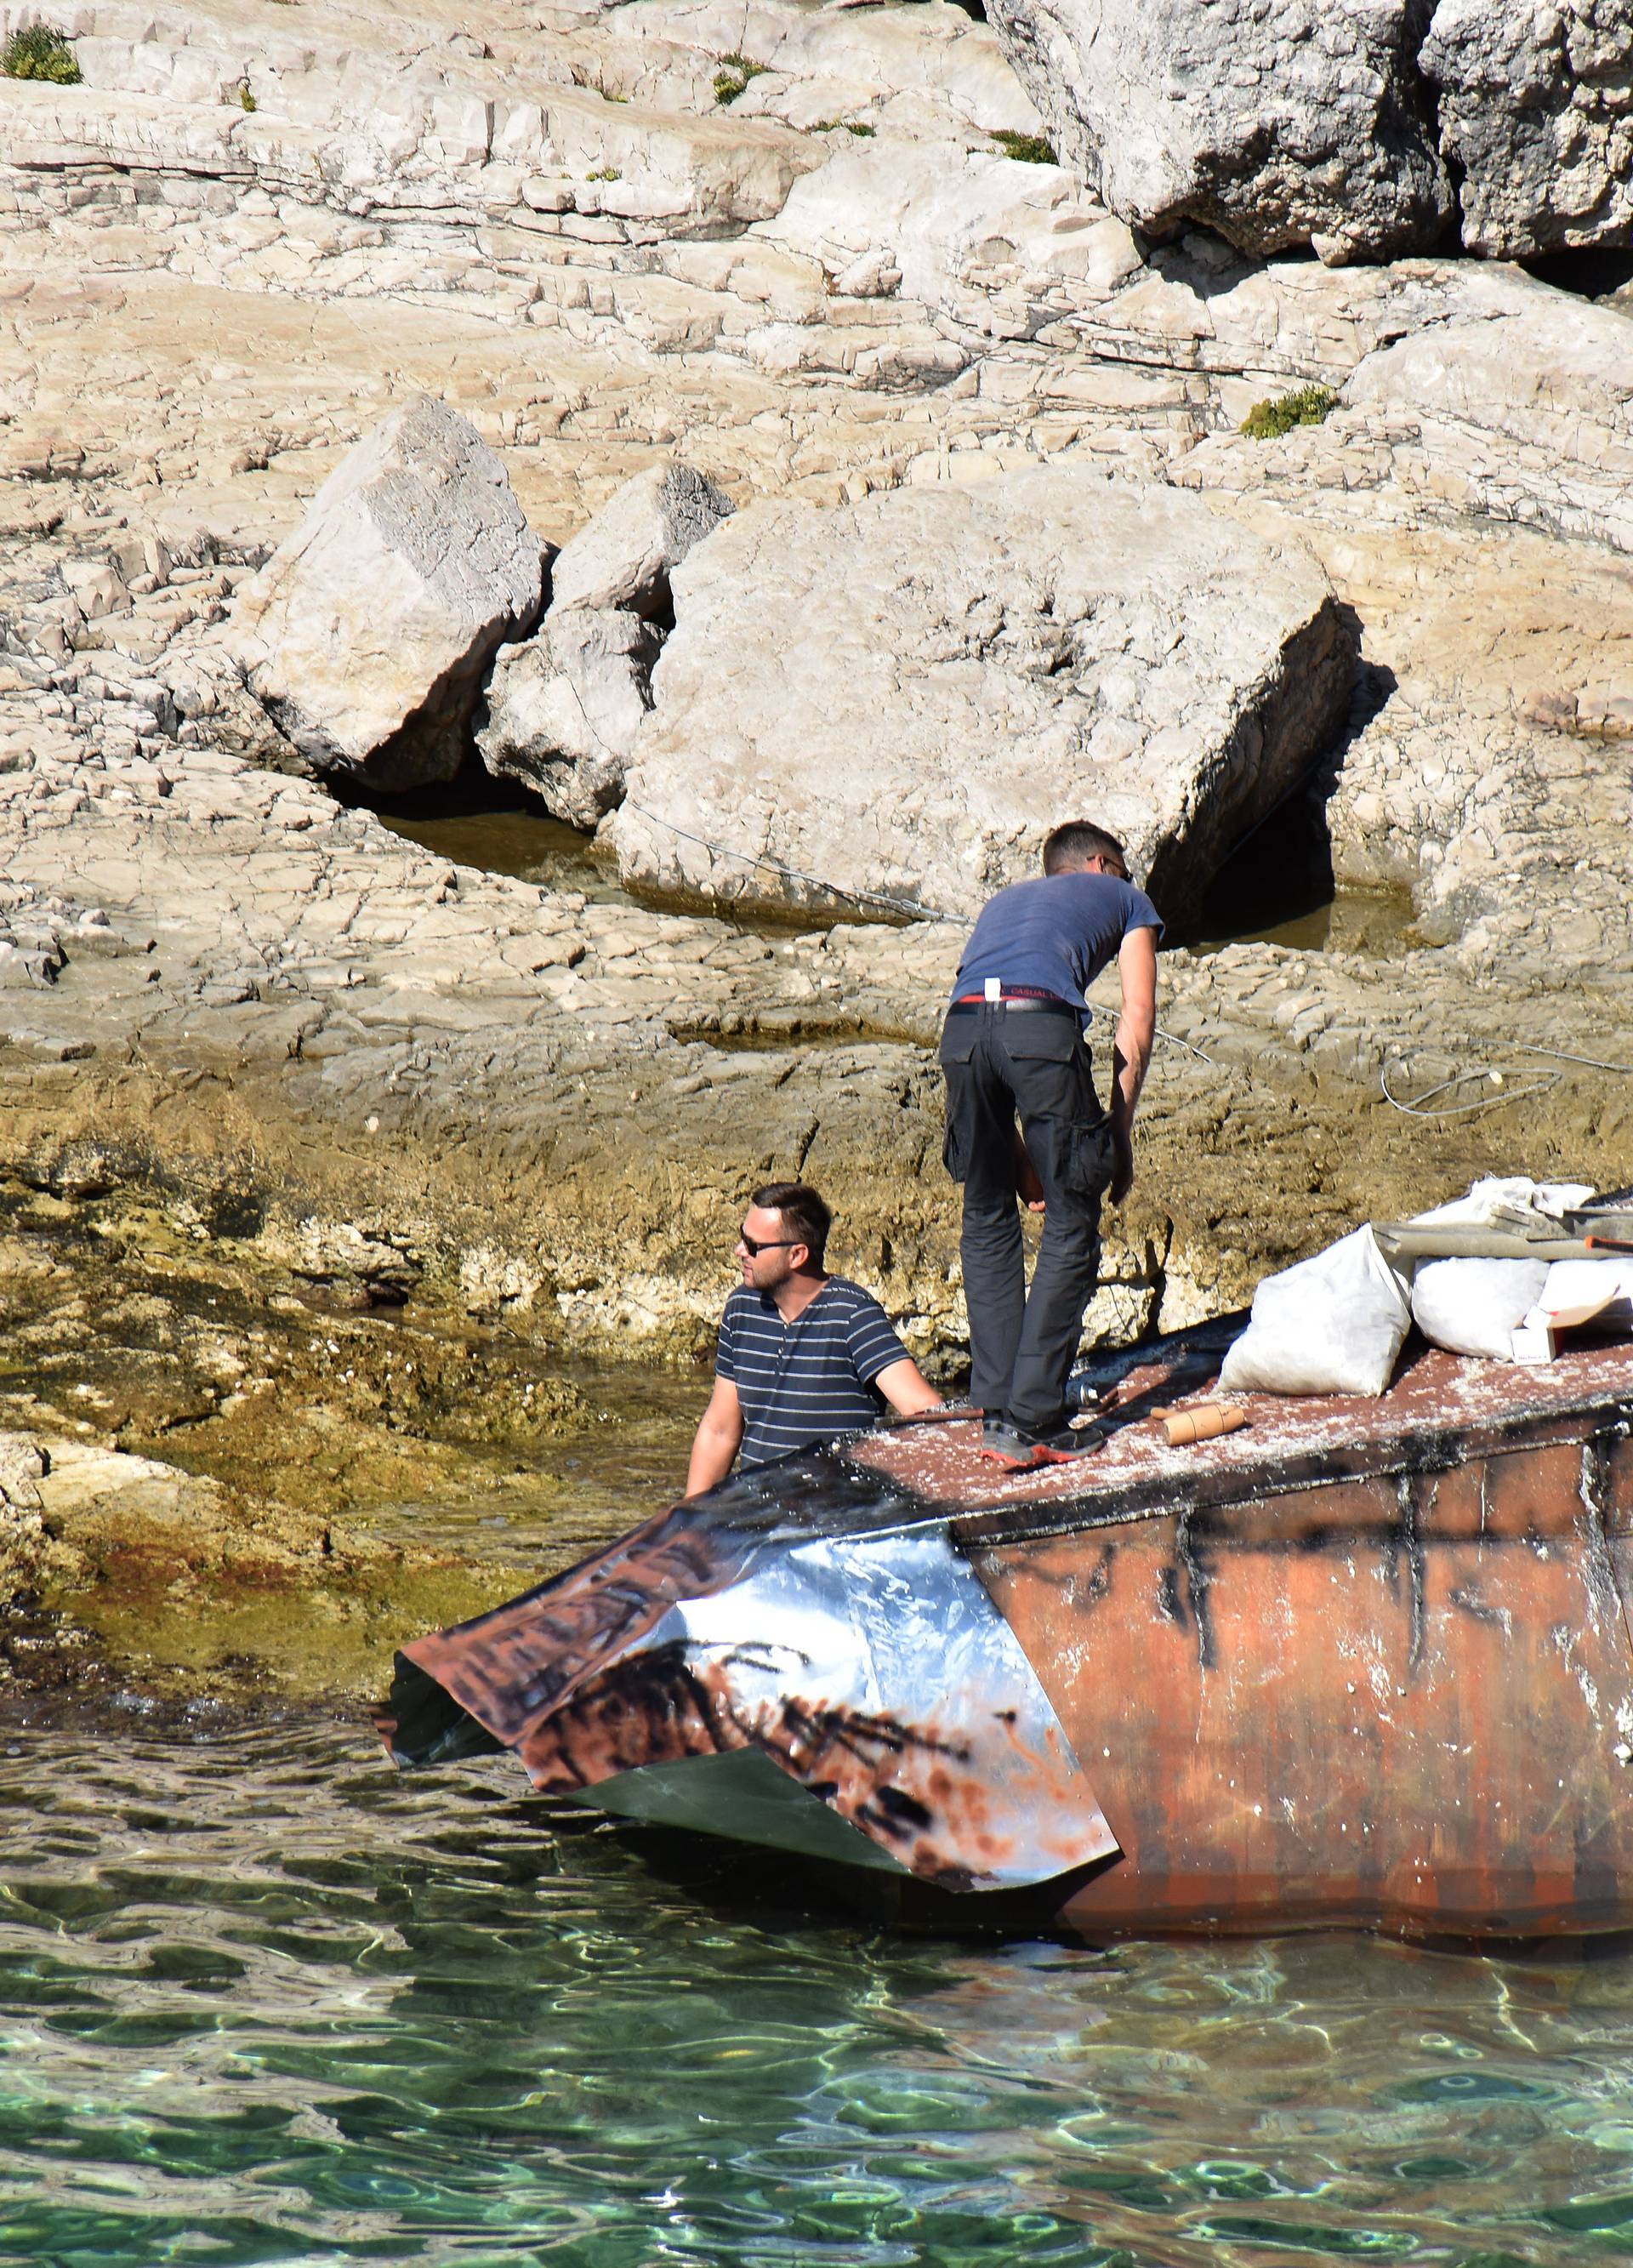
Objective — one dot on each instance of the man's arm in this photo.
(905, 1389)
(718, 1438)
(1136, 972)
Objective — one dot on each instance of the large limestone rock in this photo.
(897, 699)
(366, 633)
(623, 556)
(1525, 399)
(1277, 122)
(1536, 108)
(564, 710)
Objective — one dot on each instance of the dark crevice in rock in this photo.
(1593, 272)
(1282, 870)
(498, 826)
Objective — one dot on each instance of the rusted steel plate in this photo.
(871, 1668)
(1366, 1662)
(1405, 1701)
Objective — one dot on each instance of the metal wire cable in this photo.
(1417, 1108)
(1498, 1074)
(907, 906)
(1562, 1055)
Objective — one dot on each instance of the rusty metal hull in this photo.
(1364, 1664)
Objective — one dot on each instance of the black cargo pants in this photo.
(1004, 1059)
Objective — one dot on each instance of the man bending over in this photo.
(1015, 1044)
(804, 1355)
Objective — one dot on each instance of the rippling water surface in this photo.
(263, 1999)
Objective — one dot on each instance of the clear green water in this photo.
(263, 2000)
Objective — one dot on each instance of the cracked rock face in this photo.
(366, 633)
(902, 696)
(564, 708)
(626, 553)
(1537, 106)
(1277, 122)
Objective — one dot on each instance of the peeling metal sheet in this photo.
(871, 1668)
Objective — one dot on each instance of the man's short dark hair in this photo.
(804, 1214)
(1075, 844)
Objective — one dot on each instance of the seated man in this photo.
(804, 1355)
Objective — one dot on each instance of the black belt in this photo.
(1016, 1007)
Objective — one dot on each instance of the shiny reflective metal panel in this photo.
(874, 1669)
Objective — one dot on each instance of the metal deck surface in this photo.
(1440, 1410)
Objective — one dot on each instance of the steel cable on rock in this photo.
(1498, 1074)
(907, 906)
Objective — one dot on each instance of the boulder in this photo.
(895, 700)
(366, 633)
(623, 556)
(1536, 109)
(1277, 122)
(564, 710)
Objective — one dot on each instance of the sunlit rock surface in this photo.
(563, 711)
(900, 697)
(824, 283)
(1536, 111)
(366, 633)
(1275, 121)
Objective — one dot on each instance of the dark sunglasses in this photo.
(754, 1246)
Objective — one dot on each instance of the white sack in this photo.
(1331, 1325)
(1575, 1284)
(1500, 1201)
(1471, 1307)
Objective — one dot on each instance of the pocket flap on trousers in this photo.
(1055, 1039)
(958, 1039)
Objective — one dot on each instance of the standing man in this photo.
(1015, 1044)
(804, 1355)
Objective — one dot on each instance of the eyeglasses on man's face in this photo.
(754, 1246)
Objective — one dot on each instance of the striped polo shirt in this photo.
(804, 1382)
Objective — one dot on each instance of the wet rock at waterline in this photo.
(564, 708)
(1536, 110)
(1277, 124)
(365, 634)
(901, 696)
(624, 555)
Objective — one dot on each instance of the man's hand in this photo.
(1028, 1188)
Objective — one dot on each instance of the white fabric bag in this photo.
(1508, 1200)
(1331, 1325)
(1471, 1307)
(1601, 1290)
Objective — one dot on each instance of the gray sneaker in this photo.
(1018, 1446)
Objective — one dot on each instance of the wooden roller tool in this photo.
(1205, 1423)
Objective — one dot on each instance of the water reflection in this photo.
(263, 2000)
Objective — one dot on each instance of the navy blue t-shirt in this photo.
(1053, 934)
(808, 1382)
